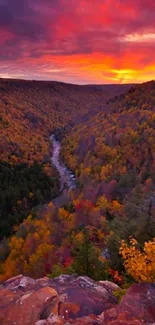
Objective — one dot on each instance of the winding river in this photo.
(67, 179)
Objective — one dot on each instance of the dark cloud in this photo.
(12, 11)
(21, 20)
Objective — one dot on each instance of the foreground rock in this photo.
(25, 301)
(74, 300)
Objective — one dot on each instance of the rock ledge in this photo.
(69, 299)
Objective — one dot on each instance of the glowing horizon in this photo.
(82, 42)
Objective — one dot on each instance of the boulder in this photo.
(25, 308)
(136, 308)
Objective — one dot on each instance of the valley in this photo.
(77, 162)
(84, 190)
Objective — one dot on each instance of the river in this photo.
(67, 178)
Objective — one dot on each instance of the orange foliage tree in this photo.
(139, 264)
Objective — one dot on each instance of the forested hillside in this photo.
(31, 110)
(113, 157)
(110, 148)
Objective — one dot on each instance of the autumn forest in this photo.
(105, 226)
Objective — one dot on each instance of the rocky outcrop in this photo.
(74, 300)
(26, 301)
(136, 308)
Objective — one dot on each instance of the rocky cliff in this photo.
(74, 300)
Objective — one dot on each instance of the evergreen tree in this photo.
(86, 259)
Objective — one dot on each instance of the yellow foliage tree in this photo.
(38, 260)
(29, 255)
(139, 264)
(14, 262)
(103, 203)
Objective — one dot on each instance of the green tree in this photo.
(87, 258)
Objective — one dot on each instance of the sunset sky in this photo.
(78, 41)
